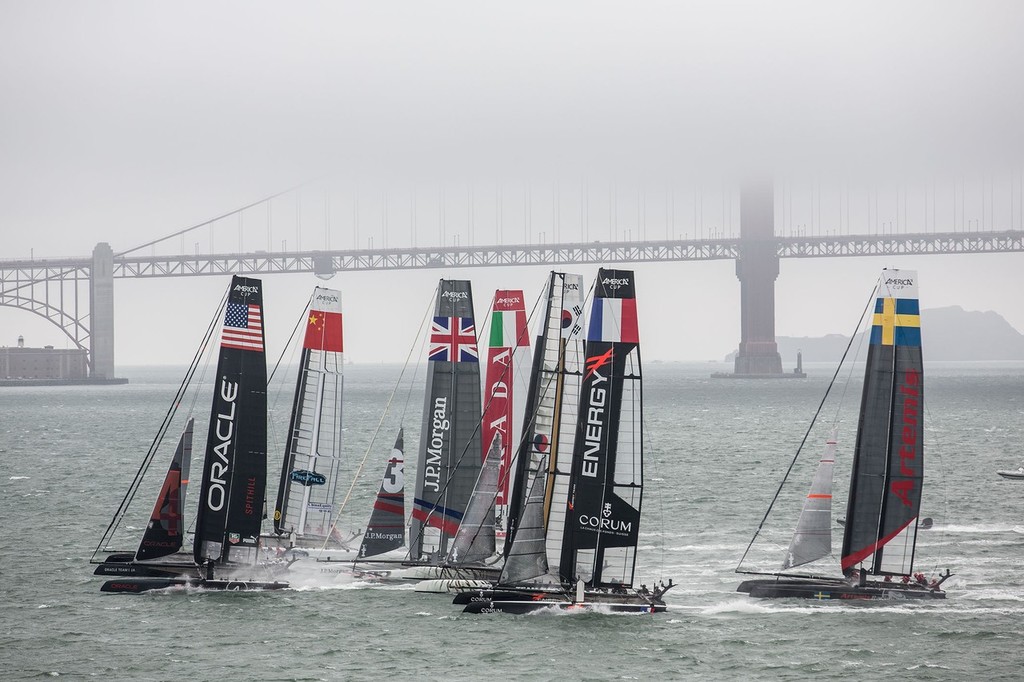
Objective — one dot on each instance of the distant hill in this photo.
(950, 333)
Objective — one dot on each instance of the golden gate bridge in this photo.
(76, 294)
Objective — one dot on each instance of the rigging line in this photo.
(792, 463)
(283, 389)
(944, 494)
(380, 423)
(129, 496)
(291, 338)
(283, 385)
(849, 377)
(660, 499)
(220, 217)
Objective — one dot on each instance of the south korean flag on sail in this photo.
(572, 306)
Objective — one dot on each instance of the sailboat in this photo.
(449, 460)
(575, 530)
(886, 479)
(226, 545)
(311, 464)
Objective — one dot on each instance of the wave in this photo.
(974, 530)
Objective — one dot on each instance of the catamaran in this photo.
(575, 528)
(886, 479)
(226, 552)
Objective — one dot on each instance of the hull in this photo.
(829, 590)
(140, 585)
(600, 602)
(426, 572)
(138, 569)
(451, 585)
(492, 594)
(1012, 474)
(526, 601)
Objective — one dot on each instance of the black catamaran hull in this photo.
(505, 600)
(139, 585)
(518, 607)
(142, 570)
(807, 589)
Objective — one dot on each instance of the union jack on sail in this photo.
(453, 339)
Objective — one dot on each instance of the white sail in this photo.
(475, 539)
(812, 539)
(527, 558)
(312, 461)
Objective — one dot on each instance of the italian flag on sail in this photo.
(508, 321)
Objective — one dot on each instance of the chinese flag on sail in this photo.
(323, 327)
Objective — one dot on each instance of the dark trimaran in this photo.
(880, 531)
(226, 548)
(576, 515)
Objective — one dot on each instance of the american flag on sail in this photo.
(453, 339)
(243, 327)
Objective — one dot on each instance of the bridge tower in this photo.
(757, 267)
(101, 312)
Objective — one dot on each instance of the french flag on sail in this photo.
(614, 320)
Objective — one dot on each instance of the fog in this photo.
(124, 122)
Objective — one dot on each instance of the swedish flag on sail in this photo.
(897, 318)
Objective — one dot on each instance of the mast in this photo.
(312, 460)
(888, 464)
(233, 486)
(606, 485)
(449, 453)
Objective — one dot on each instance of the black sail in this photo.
(166, 529)
(449, 450)
(606, 485)
(386, 529)
(888, 464)
(233, 486)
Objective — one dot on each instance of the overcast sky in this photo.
(126, 121)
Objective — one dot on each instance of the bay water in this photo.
(715, 453)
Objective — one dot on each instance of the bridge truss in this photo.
(53, 289)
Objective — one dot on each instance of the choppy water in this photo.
(716, 452)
